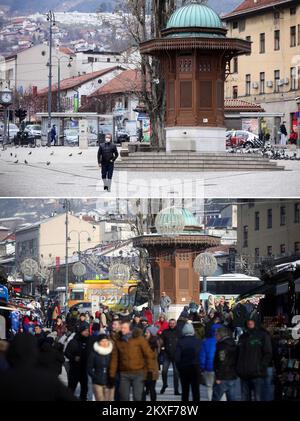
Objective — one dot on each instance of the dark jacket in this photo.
(254, 354)
(98, 363)
(187, 352)
(169, 339)
(107, 153)
(225, 359)
(24, 380)
(77, 347)
(51, 358)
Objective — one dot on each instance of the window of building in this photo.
(256, 251)
(248, 85)
(293, 10)
(277, 40)
(282, 249)
(293, 36)
(235, 24)
(297, 247)
(293, 78)
(242, 25)
(269, 251)
(262, 43)
(262, 82)
(297, 213)
(108, 60)
(298, 34)
(248, 38)
(269, 218)
(276, 80)
(245, 236)
(282, 215)
(276, 16)
(235, 92)
(90, 59)
(256, 221)
(235, 65)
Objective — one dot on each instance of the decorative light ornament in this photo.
(205, 264)
(170, 221)
(119, 274)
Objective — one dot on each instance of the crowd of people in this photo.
(119, 355)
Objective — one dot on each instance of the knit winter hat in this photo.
(83, 326)
(188, 330)
(152, 330)
(101, 337)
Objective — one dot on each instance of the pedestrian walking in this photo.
(76, 352)
(131, 357)
(165, 302)
(187, 362)
(151, 378)
(225, 366)
(283, 134)
(107, 155)
(98, 369)
(206, 358)
(169, 339)
(161, 323)
(59, 327)
(254, 356)
(53, 135)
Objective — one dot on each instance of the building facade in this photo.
(268, 230)
(270, 75)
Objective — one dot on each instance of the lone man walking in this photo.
(283, 134)
(107, 155)
(165, 302)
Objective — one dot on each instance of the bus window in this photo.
(77, 296)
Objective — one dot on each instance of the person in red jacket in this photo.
(162, 324)
(149, 316)
(293, 137)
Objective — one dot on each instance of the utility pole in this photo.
(67, 208)
(51, 20)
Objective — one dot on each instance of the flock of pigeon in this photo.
(16, 161)
(268, 151)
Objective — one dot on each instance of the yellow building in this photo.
(268, 229)
(270, 75)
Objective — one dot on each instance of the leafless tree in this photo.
(144, 20)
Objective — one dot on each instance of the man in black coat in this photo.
(107, 155)
(169, 338)
(254, 356)
(24, 380)
(225, 366)
(77, 354)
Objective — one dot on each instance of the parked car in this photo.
(34, 130)
(12, 131)
(242, 138)
(122, 136)
(71, 137)
(24, 138)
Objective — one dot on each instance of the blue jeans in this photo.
(268, 386)
(251, 387)
(226, 386)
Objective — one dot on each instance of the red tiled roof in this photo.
(66, 50)
(242, 106)
(249, 5)
(75, 81)
(127, 81)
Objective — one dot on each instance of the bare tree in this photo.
(143, 26)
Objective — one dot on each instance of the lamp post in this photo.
(67, 208)
(51, 20)
(59, 59)
(298, 121)
(78, 241)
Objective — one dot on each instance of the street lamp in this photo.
(298, 124)
(79, 234)
(51, 19)
(59, 59)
